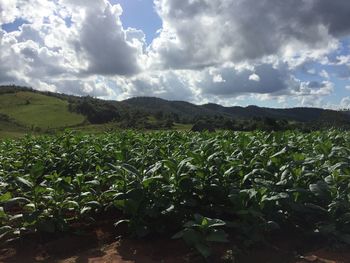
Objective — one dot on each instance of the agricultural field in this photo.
(202, 188)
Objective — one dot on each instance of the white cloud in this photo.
(261, 79)
(218, 78)
(104, 42)
(172, 85)
(45, 51)
(324, 74)
(218, 50)
(254, 77)
(342, 60)
(8, 11)
(345, 103)
(201, 33)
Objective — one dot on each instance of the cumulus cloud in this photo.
(314, 88)
(261, 79)
(90, 87)
(217, 50)
(8, 11)
(324, 74)
(201, 33)
(171, 85)
(254, 77)
(47, 52)
(345, 103)
(104, 42)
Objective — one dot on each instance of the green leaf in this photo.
(277, 197)
(168, 210)
(6, 235)
(93, 183)
(109, 193)
(217, 236)
(131, 169)
(321, 189)
(70, 204)
(48, 226)
(203, 249)
(272, 225)
(93, 204)
(123, 221)
(17, 200)
(316, 208)
(198, 218)
(85, 210)
(29, 207)
(5, 229)
(345, 238)
(16, 217)
(154, 168)
(2, 213)
(24, 182)
(37, 170)
(5, 197)
(216, 223)
(192, 236)
(178, 235)
(283, 151)
(146, 182)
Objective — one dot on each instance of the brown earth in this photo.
(99, 245)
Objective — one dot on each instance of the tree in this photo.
(201, 126)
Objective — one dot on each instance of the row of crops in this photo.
(197, 186)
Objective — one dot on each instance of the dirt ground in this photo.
(99, 245)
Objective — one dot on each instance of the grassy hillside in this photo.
(10, 130)
(36, 110)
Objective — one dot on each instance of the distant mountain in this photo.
(30, 108)
(153, 105)
(185, 109)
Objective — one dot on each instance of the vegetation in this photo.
(37, 111)
(202, 187)
(201, 126)
(44, 112)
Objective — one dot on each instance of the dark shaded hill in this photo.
(293, 114)
(186, 109)
(182, 109)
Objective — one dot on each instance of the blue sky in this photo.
(13, 26)
(277, 54)
(140, 14)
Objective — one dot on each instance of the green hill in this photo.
(34, 110)
(25, 110)
(10, 130)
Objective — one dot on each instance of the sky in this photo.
(269, 53)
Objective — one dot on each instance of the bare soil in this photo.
(99, 244)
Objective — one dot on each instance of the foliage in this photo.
(201, 126)
(97, 111)
(26, 107)
(201, 231)
(253, 182)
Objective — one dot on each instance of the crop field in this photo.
(199, 187)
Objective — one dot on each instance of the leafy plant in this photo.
(202, 231)
(256, 182)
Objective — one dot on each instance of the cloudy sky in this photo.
(234, 52)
